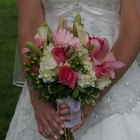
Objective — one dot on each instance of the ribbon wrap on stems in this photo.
(75, 111)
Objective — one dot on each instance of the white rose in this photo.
(47, 65)
(50, 63)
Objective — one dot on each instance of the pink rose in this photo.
(39, 41)
(67, 76)
(25, 51)
(58, 54)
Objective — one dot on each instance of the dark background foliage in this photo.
(8, 39)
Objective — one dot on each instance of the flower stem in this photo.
(69, 135)
(65, 133)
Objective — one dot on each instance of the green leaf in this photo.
(93, 102)
(52, 89)
(91, 47)
(34, 48)
(75, 93)
(55, 78)
(89, 91)
(84, 46)
(49, 37)
(96, 95)
(60, 88)
(77, 22)
(62, 23)
(82, 35)
(88, 99)
(78, 19)
(75, 29)
(81, 89)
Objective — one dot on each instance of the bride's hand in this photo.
(49, 123)
(64, 112)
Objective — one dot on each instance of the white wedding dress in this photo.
(117, 116)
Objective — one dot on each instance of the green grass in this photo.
(9, 94)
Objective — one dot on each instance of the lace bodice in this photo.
(95, 14)
(106, 10)
(111, 5)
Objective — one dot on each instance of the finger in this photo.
(65, 117)
(58, 120)
(64, 111)
(63, 106)
(73, 129)
(49, 129)
(76, 127)
(42, 131)
(58, 129)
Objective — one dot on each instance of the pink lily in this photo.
(104, 61)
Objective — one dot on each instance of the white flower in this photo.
(43, 31)
(88, 65)
(83, 51)
(47, 65)
(48, 49)
(103, 82)
(47, 75)
(87, 80)
(48, 62)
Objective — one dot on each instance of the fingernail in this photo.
(61, 132)
(62, 125)
(62, 118)
(56, 137)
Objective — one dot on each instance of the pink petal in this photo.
(114, 65)
(73, 83)
(112, 73)
(103, 49)
(96, 61)
(25, 51)
(39, 41)
(96, 49)
(68, 37)
(109, 57)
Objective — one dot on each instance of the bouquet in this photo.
(69, 65)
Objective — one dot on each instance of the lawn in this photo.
(9, 94)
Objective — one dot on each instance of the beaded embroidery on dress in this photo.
(117, 116)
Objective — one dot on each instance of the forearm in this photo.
(126, 50)
(29, 20)
(33, 96)
(23, 37)
(127, 46)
